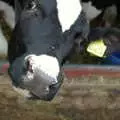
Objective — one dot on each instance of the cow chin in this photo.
(31, 89)
(27, 94)
(37, 92)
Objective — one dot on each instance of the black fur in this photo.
(38, 31)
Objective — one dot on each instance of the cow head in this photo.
(38, 47)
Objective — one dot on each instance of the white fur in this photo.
(3, 44)
(44, 66)
(91, 11)
(68, 12)
(9, 14)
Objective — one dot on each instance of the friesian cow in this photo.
(41, 41)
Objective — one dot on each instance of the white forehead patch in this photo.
(68, 12)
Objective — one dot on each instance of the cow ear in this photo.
(18, 10)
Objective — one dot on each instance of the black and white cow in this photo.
(109, 9)
(43, 37)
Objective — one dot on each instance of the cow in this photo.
(40, 44)
(109, 10)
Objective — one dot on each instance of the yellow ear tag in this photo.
(97, 48)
